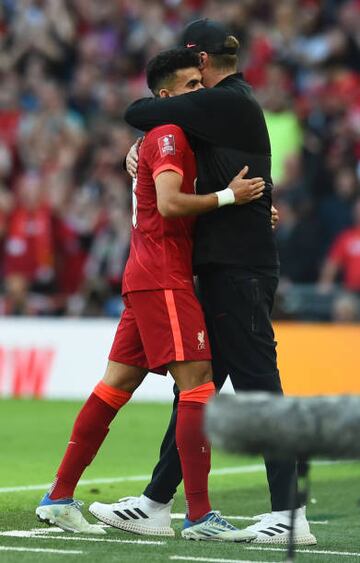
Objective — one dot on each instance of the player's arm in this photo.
(171, 202)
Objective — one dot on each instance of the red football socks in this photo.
(194, 449)
(89, 431)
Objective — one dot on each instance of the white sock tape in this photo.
(225, 197)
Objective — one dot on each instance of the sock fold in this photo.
(116, 398)
(200, 394)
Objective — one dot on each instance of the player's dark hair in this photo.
(162, 68)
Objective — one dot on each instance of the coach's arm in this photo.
(171, 202)
(215, 115)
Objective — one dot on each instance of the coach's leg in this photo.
(239, 307)
(167, 474)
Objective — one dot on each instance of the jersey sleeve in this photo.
(166, 150)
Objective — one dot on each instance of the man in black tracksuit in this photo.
(235, 255)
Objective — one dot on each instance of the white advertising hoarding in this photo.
(62, 359)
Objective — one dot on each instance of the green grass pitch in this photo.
(33, 435)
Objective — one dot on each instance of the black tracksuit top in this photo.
(227, 130)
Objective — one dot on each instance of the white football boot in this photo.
(139, 515)
(274, 528)
(67, 515)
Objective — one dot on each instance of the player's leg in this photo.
(89, 431)
(194, 380)
(193, 376)
(167, 474)
(239, 306)
(92, 425)
(196, 388)
(180, 343)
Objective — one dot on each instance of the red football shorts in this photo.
(159, 327)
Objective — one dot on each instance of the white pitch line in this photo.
(28, 534)
(49, 530)
(41, 550)
(317, 551)
(83, 482)
(22, 534)
(104, 480)
(237, 470)
(32, 533)
(181, 516)
(212, 560)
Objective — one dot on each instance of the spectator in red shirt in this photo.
(29, 249)
(344, 256)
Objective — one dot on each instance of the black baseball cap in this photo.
(207, 35)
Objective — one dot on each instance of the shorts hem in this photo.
(126, 362)
(172, 358)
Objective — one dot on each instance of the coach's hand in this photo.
(132, 158)
(244, 190)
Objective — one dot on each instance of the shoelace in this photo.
(216, 520)
(77, 504)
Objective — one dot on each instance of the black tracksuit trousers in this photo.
(237, 306)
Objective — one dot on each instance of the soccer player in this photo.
(162, 327)
(236, 261)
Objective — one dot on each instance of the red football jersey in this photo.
(160, 249)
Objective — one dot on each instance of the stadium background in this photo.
(68, 69)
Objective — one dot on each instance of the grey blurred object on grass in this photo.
(283, 427)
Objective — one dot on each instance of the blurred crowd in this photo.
(68, 69)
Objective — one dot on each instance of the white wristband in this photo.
(225, 197)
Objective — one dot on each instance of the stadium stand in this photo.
(69, 69)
